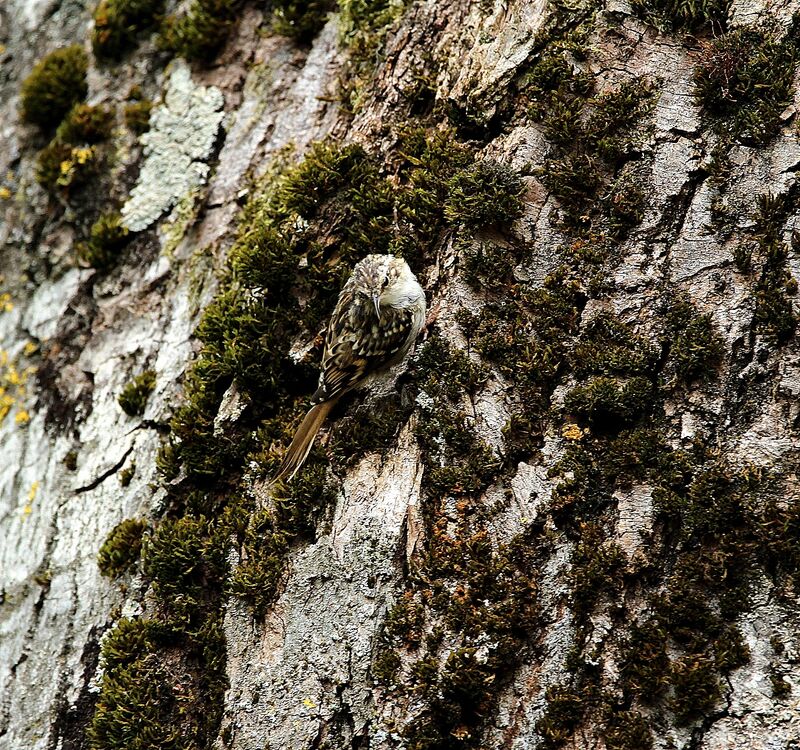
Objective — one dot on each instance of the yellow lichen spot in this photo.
(30, 348)
(6, 305)
(6, 402)
(66, 165)
(32, 491)
(5, 193)
(309, 704)
(82, 155)
(26, 511)
(571, 431)
(22, 417)
(12, 376)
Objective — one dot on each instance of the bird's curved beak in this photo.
(376, 300)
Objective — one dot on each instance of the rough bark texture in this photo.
(517, 585)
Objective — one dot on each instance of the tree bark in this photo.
(587, 590)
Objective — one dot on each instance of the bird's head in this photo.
(384, 280)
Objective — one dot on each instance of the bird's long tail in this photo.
(303, 440)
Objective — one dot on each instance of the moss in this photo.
(645, 666)
(527, 337)
(301, 20)
(137, 116)
(781, 688)
(85, 124)
(134, 395)
(107, 236)
(608, 347)
(364, 25)
(122, 547)
(117, 24)
(774, 313)
(627, 730)
(488, 267)
(183, 564)
(72, 158)
(566, 707)
(596, 569)
(495, 604)
(304, 229)
(127, 474)
(385, 666)
(372, 427)
(594, 137)
(270, 533)
(460, 463)
(56, 83)
(683, 15)
(149, 694)
(61, 168)
(405, 621)
(605, 403)
(200, 32)
(694, 346)
(745, 82)
(696, 687)
(483, 195)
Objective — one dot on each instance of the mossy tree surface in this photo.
(464, 590)
(306, 226)
(592, 388)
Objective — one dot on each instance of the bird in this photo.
(377, 318)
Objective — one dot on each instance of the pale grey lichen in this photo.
(181, 136)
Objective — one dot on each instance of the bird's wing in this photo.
(358, 344)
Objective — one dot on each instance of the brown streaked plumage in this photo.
(377, 318)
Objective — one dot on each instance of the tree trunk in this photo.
(568, 519)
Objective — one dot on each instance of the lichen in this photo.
(181, 136)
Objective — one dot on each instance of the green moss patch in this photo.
(56, 83)
(685, 15)
(301, 20)
(117, 23)
(764, 258)
(85, 124)
(595, 138)
(122, 548)
(134, 395)
(137, 115)
(364, 25)
(745, 80)
(107, 237)
(200, 32)
(73, 157)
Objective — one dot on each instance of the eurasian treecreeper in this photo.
(379, 313)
